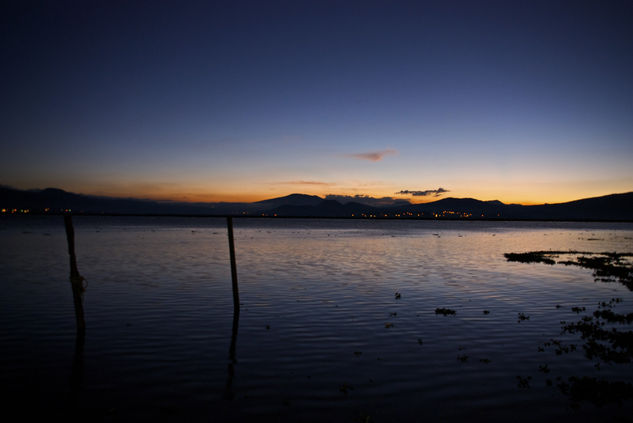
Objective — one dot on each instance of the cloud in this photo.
(373, 156)
(424, 193)
(304, 183)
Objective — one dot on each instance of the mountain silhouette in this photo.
(54, 200)
(292, 200)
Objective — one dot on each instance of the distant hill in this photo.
(461, 207)
(57, 200)
(608, 207)
(300, 200)
(53, 200)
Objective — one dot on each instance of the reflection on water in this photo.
(77, 371)
(232, 355)
(76, 280)
(323, 334)
(78, 288)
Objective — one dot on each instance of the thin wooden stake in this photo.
(70, 236)
(236, 295)
(76, 280)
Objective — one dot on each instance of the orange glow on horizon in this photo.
(206, 197)
(524, 194)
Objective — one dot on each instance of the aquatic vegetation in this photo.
(611, 303)
(606, 266)
(612, 317)
(345, 388)
(445, 311)
(531, 257)
(560, 348)
(602, 341)
(602, 337)
(607, 345)
(524, 382)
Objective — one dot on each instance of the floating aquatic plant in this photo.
(345, 388)
(612, 317)
(523, 382)
(604, 337)
(606, 266)
(531, 257)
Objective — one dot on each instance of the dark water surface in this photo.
(321, 335)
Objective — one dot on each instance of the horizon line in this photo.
(324, 197)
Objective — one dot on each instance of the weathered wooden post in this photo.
(236, 312)
(236, 295)
(70, 237)
(76, 280)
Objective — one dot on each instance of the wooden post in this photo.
(236, 295)
(70, 236)
(76, 280)
(228, 393)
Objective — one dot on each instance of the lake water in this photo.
(321, 334)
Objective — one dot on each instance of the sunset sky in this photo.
(520, 101)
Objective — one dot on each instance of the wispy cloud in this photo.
(304, 183)
(423, 193)
(373, 156)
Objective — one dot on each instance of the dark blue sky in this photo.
(521, 101)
